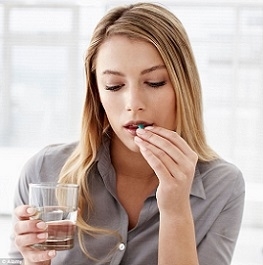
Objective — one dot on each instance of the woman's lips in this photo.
(133, 127)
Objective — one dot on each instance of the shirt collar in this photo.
(197, 189)
(104, 166)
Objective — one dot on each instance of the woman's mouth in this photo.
(132, 127)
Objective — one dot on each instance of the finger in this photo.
(163, 145)
(26, 240)
(173, 137)
(160, 166)
(35, 255)
(177, 164)
(170, 142)
(29, 226)
(23, 212)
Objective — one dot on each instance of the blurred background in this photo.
(42, 47)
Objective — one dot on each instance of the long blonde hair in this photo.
(155, 24)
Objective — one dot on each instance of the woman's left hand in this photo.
(174, 163)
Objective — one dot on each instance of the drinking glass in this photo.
(56, 204)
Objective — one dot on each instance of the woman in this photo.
(151, 189)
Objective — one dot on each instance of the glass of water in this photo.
(57, 205)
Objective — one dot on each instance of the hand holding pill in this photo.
(174, 163)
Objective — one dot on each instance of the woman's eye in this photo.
(114, 88)
(156, 84)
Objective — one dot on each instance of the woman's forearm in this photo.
(177, 244)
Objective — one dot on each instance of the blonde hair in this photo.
(155, 24)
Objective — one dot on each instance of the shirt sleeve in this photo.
(218, 245)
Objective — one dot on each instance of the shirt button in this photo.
(121, 246)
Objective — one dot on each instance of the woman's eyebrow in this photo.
(153, 68)
(146, 71)
(112, 72)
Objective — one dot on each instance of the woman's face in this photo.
(134, 88)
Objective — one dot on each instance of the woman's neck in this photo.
(135, 180)
(128, 163)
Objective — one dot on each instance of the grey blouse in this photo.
(217, 200)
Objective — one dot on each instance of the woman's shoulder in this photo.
(220, 168)
(48, 162)
(43, 166)
(57, 150)
(220, 174)
(54, 152)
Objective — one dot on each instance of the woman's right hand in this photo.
(30, 231)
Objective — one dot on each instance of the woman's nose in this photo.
(135, 100)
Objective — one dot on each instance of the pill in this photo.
(141, 126)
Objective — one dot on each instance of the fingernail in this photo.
(42, 236)
(140, 131)
(51, 253)
(41, 225)
(31, 210)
